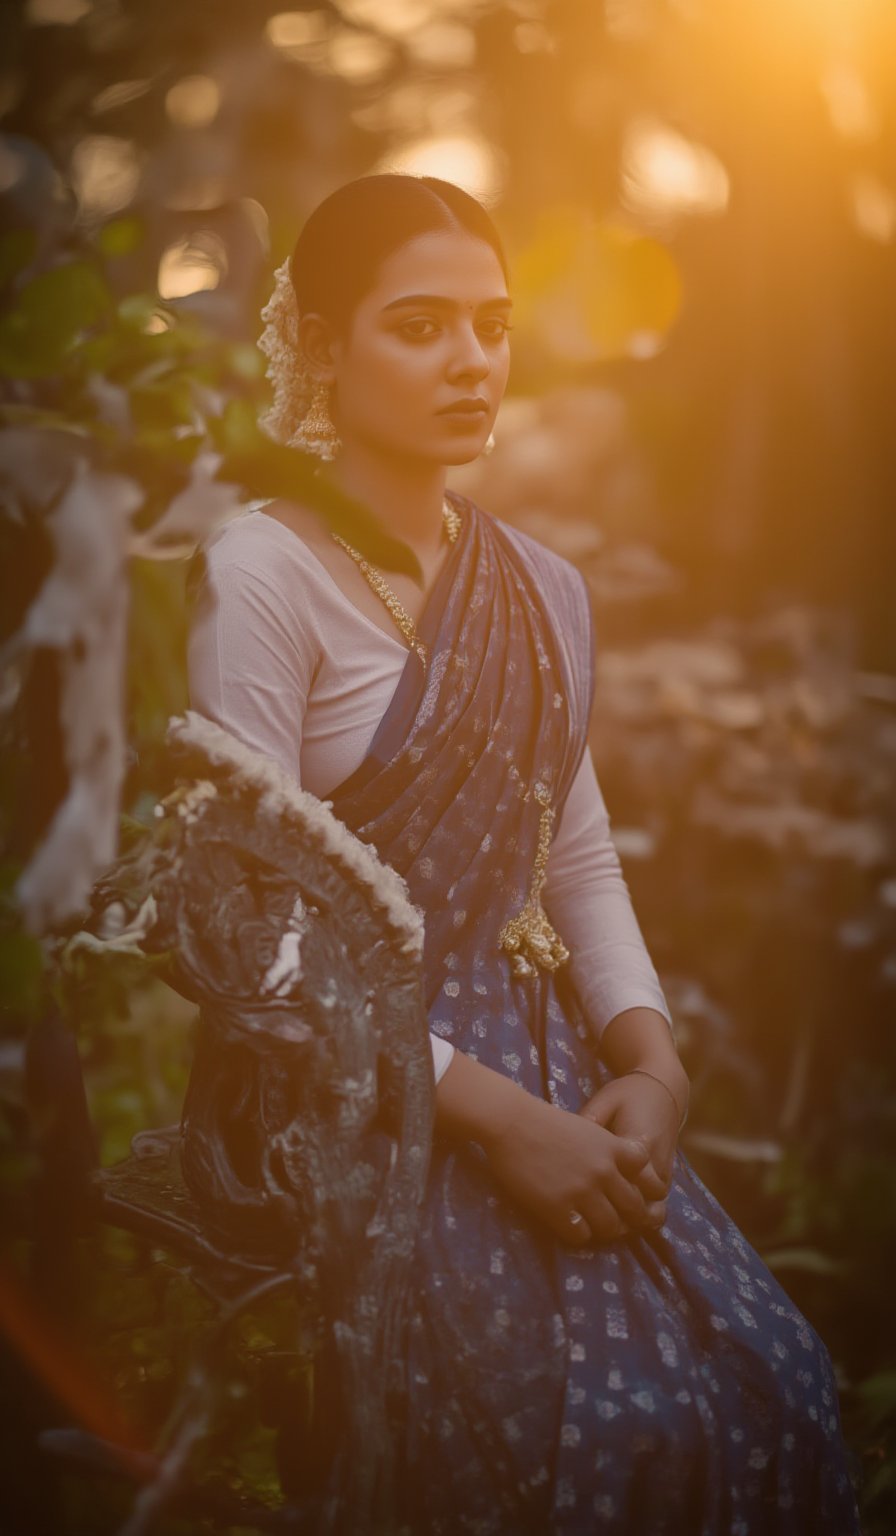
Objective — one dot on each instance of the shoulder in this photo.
(254, 579)
(250, 540)
(255, 551)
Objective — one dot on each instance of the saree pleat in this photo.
(660, 1385)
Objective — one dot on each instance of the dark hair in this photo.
(351, 233)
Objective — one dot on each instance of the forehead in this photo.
(449, 263)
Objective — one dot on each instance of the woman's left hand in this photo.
(639, 1107)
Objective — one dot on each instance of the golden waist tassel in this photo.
(529, 938)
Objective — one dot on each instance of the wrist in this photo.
(476, 1103)
(640, 1040)
(679, 1095)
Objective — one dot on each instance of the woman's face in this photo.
(430, 334)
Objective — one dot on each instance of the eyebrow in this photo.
(438, 301)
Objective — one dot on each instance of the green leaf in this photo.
(878, 1396)
(21, 972)
(120, 236)
(137, 310)
(50, 315)
(247, 362)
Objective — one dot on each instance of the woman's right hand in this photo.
(554, 1163)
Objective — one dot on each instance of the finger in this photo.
(651, 1184)
(631, 1154)
(602, 1217)
(626, 1198)
(656, 1213)
(578, 1230)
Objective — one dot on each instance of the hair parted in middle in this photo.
(337, 257)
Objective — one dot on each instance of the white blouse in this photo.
(279, 656)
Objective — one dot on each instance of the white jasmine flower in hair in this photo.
(279, 341)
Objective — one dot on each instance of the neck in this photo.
(405, 497)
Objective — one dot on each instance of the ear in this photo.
(317, 342)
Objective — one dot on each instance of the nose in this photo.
(469, 357)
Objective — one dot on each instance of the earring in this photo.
(316, 433)
(489, 445)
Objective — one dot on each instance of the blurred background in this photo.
(698, 199)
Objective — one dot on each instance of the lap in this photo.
(662, 1382)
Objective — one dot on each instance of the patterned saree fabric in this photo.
(662, 1383)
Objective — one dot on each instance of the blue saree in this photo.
(660, 1385)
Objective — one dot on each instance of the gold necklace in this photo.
(451, 522)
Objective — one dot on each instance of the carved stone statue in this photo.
(307, 1125)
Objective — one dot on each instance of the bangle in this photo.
(644, 1073)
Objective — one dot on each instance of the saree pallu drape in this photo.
(662, 1383)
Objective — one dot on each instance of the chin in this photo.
(457, 456)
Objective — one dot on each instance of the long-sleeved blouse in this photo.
(279, 656)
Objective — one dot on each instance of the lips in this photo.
(469, 406)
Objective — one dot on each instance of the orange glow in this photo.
(596, 290)
(61, 1366)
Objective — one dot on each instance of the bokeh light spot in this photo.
(291, 32)
(594, 291)
(533, 37)
(447, 44)
(873, 207)
(849, 103)
(192, 265)
(105, 173)
(665, 173)
(193, 102)
(359, 56)
(469, 161)
(258, 218)
(119, 95)
(396, 18)
(56, 13)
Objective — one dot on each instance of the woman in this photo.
(585, 1312)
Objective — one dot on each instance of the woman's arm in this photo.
(251, 658)
(588, 901)
(549, 1161)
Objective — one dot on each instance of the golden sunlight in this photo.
(470, 161)
(663, 173)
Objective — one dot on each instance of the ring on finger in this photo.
(577, 1220)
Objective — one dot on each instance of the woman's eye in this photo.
(495, 329)
(416, 329)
